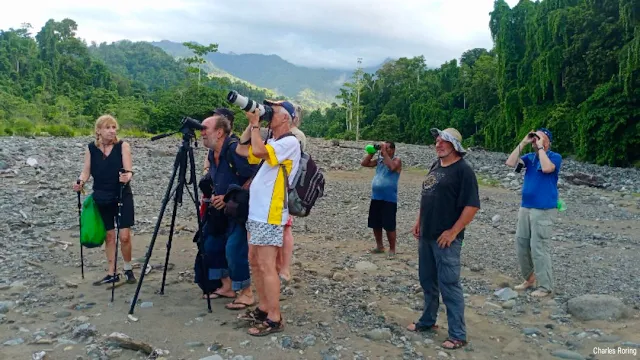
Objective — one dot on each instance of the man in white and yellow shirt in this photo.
(267, 207)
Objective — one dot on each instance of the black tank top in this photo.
(106, 170)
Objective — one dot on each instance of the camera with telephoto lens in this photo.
(246, 104)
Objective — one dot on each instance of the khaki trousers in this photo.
(533, 235)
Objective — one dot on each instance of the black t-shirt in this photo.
(445, 193)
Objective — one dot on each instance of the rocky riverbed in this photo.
(344, 303)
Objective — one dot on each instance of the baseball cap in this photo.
(225, 112)
(546, 132)
(285, 104)
(451, 135)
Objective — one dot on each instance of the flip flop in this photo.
(456, 344)
(216, 295)
(243, 306)
(377, 251)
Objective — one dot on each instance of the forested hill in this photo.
(52, 83)
(572, 66)
(141, 62)
(273, 72)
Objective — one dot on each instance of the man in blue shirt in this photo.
(384, 195)
(537, 210)
(225, 239)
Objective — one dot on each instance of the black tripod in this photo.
(179, 167)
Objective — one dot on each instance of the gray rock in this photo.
(567, 354)
(506, 294)
(379, 334)
(366, 266)
(608, 338)
(309, 340)
(597, 307)
(509, 304)
(62, 314)
(85, 330)
(5, 306)
(14, 342)
(531, 331)
(286, 342)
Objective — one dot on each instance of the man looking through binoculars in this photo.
(535, 216)
(384, 195)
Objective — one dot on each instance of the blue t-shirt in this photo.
(384, 185)
(540, 190)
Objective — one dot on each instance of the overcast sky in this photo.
(329, 33)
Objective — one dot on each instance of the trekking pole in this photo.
(80, 224)
(115, 259)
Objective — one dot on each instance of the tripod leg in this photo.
(165, 201)
(182, 169)
(204, 274)
(173, 222)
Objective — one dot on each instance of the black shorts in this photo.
(110, 212)
(382, 215)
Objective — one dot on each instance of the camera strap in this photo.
(250, 179)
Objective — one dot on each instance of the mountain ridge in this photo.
(273, 72)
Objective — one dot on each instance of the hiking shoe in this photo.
(107, 280)
(131, 279)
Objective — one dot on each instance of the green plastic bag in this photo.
(92, 231)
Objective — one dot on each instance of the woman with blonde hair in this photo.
(285, 252)
(108, 161)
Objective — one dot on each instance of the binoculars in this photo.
(371, 149)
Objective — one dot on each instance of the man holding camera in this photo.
(537, 208)
(449, 203)
(384, 195)
(268, 213)
(225, 239)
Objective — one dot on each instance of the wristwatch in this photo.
(540, 148)
(255, 127)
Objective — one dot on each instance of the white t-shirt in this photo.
(268, 190)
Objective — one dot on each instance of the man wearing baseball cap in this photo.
(537, 208)
(449, 203)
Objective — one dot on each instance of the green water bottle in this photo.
(561, 205)
(371, 149)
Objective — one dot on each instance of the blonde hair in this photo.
(298, 119)
(103, 121)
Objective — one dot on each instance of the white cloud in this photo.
(330, 33)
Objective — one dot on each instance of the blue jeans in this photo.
(439, 272)
(229, 255)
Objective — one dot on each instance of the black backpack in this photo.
(308, 186)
